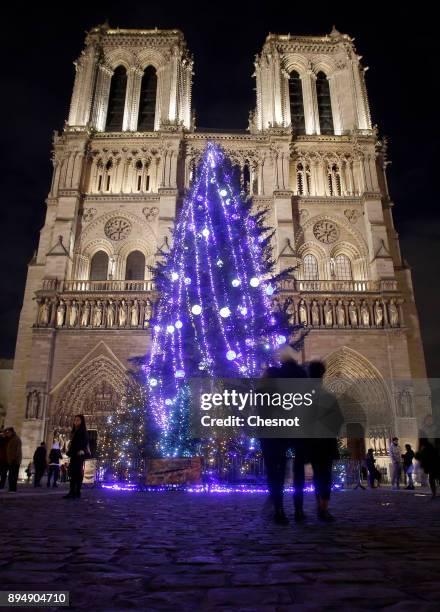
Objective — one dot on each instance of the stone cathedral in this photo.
(121, 167)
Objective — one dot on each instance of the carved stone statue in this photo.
(134, 314)
(33, 405)
(73, 314)
(365, 315)
(405, 404)
(340, 314)
(148, 313)
(290, 311)
(328, 314)
(44, 315)
(122, 314)
(302, 313)
(111, 312)
(352, 314)
(378, 313)
(61, 313)
(85, 315)
(97, 314)
(315, 314)
(276, 306)
(393, 314)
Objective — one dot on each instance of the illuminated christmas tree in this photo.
(214, 317)
(122, 441)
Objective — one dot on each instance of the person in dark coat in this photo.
(54, 464)
(274, 449)
(373, 472)
(430, 462)
(274, 455)
(78, 452)
(13, 457)
(40, 463)
(408, 465)
(3, 460)
(324, 450)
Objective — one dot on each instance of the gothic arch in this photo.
(81, 393)
(351, 375)
(358, 239)
(137, 222)
(297, 62)
(325, 64)
(119, 57)
(150, 57)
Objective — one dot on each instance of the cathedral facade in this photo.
(121, 167)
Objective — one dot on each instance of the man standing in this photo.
(408, 466)
(40, 462)
(13, 457)
(395, 454)
(54, 464)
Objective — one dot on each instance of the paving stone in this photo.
(177, 551)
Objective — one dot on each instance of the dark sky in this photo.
(41, 41)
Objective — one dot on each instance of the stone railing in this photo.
(289, 285)
(338, 286)
(93, 286)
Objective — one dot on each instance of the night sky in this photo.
(398, 44)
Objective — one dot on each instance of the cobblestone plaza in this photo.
(182, 551)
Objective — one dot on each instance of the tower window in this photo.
(296, 103)
(116, 100)
(342, 267)
(310, 268)
(303, 182)
(334, 180)
(135, 268)
(147, 101)
(147, 183)
(99, 266)
(324, 104)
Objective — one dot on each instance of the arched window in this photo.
(99, 266)
(303, 179)
(334, 180)
(135, 268)
(324, 104)
(342, 267)
(296, 103)
(310, 268)
(147, 101)
(116, 100)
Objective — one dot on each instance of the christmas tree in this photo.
(122, 441)
(214, 316)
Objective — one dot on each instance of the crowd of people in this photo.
(52, 465)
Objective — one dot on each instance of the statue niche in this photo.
(33, 404)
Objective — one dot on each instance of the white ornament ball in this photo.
(231, 355)
(224, 312)
(254, 282)
(196, 309)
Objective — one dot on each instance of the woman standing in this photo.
(78, 452)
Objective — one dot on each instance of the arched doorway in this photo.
(364, 399)
(96, 389)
